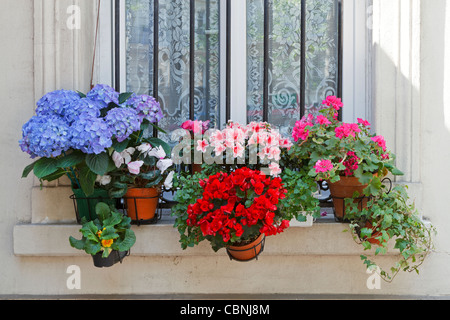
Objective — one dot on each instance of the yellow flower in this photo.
(107, 243)
(99, 232)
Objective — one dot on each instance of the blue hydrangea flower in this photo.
(84, 107)
(147, 107)
(90, 135)
(56, 103)
(103, 94)
(122, 122)
(45, 136)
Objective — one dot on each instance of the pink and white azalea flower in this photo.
(275, 169)
(202, 145)
(238, 150)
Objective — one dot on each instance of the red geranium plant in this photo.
(234, 208)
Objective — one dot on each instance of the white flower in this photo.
(168, 182)
(123, 157)
(135, 167)
(103, 180)
(157, 152)
(163, 164)
(145, 148)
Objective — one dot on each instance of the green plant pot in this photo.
(85, 206)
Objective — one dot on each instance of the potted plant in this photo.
(195, 130)
(73, 134)
(139, 175)
(108, 238)
(233, 210)
(257, 146)
(391, 217)
(352, 160)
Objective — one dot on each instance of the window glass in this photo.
(288, 96)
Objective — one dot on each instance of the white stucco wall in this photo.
(411, 77)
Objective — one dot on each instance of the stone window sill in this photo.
(324, 237)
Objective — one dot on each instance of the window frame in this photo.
(354, 49)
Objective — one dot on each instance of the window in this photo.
(252, 60)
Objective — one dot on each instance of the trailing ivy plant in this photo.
(391, 217)
(300, 201)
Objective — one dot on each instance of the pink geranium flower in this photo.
(301, 130)
(323, 165)
(322, 120)
(380, 141)
(364, 122)
(195, 126)
(346, 130)
(334, 102)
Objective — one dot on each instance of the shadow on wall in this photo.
(411, 90)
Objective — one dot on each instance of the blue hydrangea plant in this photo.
(75, 134)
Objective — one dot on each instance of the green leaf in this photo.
(56, 175)
(397, 172)
(77, 244)
(106, 252)
(98, 163)
(103, 211)
(87, 180)
(154, 182)
(365, 177)
(118, 193)
(128, 241)
(114, 219)
(387, 221)
(156, 142)
(158, 128)
(92, 247)
(44, 167)
(89, 231)
(123, 97)
(120, 146)
(70, 160)
(366, 232)
(374, 187)
(109, 233)
(28, 169)
(152, 175)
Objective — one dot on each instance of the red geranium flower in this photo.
(228, 206)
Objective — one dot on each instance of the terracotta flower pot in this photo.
(196, 168)
(141, 204)
(343, 189)
(248, 251)
(375, 234)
